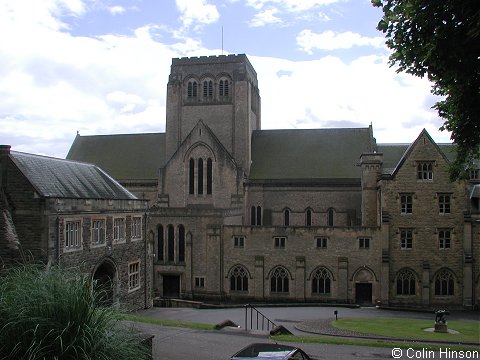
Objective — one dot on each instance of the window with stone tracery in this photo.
(279, 281)
(321, 281)
(406, 282)
(238, 279)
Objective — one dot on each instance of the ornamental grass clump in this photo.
(54, 313)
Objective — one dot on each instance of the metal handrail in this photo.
(259, 317)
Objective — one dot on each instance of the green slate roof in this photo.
(314, 154)
(125, 156)
(59, 178)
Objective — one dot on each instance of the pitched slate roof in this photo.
(314, 154)
(59, 178)
(124, 156)
(393, 154)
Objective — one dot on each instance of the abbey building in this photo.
(237, 213)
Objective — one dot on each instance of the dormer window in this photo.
(425, 171)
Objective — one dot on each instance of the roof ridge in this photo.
(124, 134)
(53, 158)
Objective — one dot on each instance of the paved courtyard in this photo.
(313, 318)
(183, 343)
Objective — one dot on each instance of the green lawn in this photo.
(411, 329)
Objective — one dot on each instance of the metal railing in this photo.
(257, 318)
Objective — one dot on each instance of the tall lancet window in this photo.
(191, 177)
(209, 176)
(200, 176)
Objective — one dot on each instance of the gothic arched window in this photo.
(200, 176)
(192, 89)
(321, 281)
(171, 243)
(238, 279)
(444, 283)
(209, 176)
(160, 243)
(208, 88)
(191, 177)
(406, 282)
(181, 243)
(330, 216)
(223, 88)
(308, 217)
(286, 217)
(279, 280)
(256, 215)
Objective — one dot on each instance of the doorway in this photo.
(363, 294)
(104, 277)
(171, 286)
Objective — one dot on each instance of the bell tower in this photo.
(222, 91)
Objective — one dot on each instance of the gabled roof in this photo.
(124, 156)
(394, 155)
(58, 178)
(314, 154)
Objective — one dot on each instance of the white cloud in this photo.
(290, 5)
(330, 93)
(194, 12)
(53, 83)
(116, 10)
(329, 40)
(265, 17)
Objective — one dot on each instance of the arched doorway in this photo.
(363, 279)
(105, 276)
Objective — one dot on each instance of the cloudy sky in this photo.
(101, 66)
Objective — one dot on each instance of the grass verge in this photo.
(469, 331)
(365, 342)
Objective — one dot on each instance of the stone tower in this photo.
(222, 92)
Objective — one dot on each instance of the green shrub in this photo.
(54, 314)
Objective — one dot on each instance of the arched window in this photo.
(321, 281)
(286, 217)
(406, 282)
(181, 244)
(256, 215)
(330, 216)
(444, 283)
(223, 88)
(200, 176)
(238, 279)
(192, 89)
(209, 176)
(191, 177)
(171, 243)
(279, 280)
(308, 217)
(208, 88)
(160, 243)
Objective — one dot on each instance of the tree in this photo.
(441, 40)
